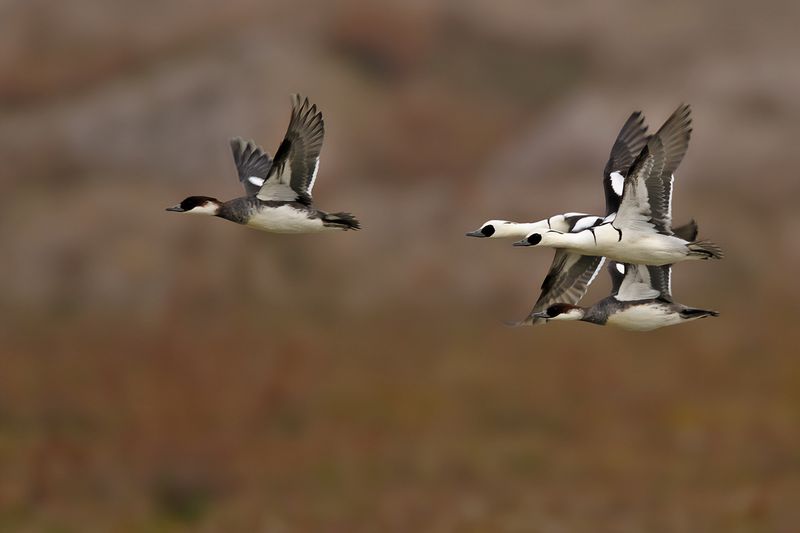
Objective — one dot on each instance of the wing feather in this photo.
(637, 284)
(661, 280)
(647, 193)
(567, 282)
(617, 272)
(252, 164)
(294, 169)
(630, 141)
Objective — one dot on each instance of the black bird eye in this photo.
(487, 231)
(534, 239)
(553, 311)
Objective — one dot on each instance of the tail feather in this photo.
(345, 221)
(691, 314)
(705, 249)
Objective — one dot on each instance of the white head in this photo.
(201, 205)
(541, 238)
(562, 312)
(499, 229)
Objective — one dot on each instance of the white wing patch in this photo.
(669, 202)
(617, 182)
(255, 180)
(620, 268)
(313, 176)
(571, 214)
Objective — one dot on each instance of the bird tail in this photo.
(705, 250)
(693, 314)
(345, 221)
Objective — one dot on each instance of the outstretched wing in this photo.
(252, 164)
(661, 280)
(294, 169)
(567, 282)
(630, 141)
(647, 193)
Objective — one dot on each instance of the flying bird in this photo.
(571, 273)
(641, 300)
(277, 191)
(640, 231)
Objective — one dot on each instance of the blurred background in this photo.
(170, 373)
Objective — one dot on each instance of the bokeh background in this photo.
(169, 373)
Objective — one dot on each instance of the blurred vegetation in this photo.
(165, 373)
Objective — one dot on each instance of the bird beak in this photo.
(476, 233)
(523, 242)
(176, 208)
(540, 314)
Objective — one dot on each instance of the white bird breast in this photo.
(644, 318)
(285, 219)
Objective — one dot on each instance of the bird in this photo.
(499, 229)
(571, 273)
(640, 300)
(629, 142)
(640, 231)
(277, 191)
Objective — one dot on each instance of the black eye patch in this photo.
(487, 231)
(195, 201)
(534, 239)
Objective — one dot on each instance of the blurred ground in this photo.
(166, 373)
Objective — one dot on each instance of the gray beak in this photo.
(540, 314)
(523, 242)
(476, 233)
(176, 208)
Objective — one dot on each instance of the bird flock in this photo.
(636, 234)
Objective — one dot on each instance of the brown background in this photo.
(171, 373)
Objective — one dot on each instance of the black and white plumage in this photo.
(278, 191)
(647, 193)
(571, 273)
(567, 280)
(252, 164)
(639, 232)
(640, 300)
(504, 229)
(630, 141)
(294, 170)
